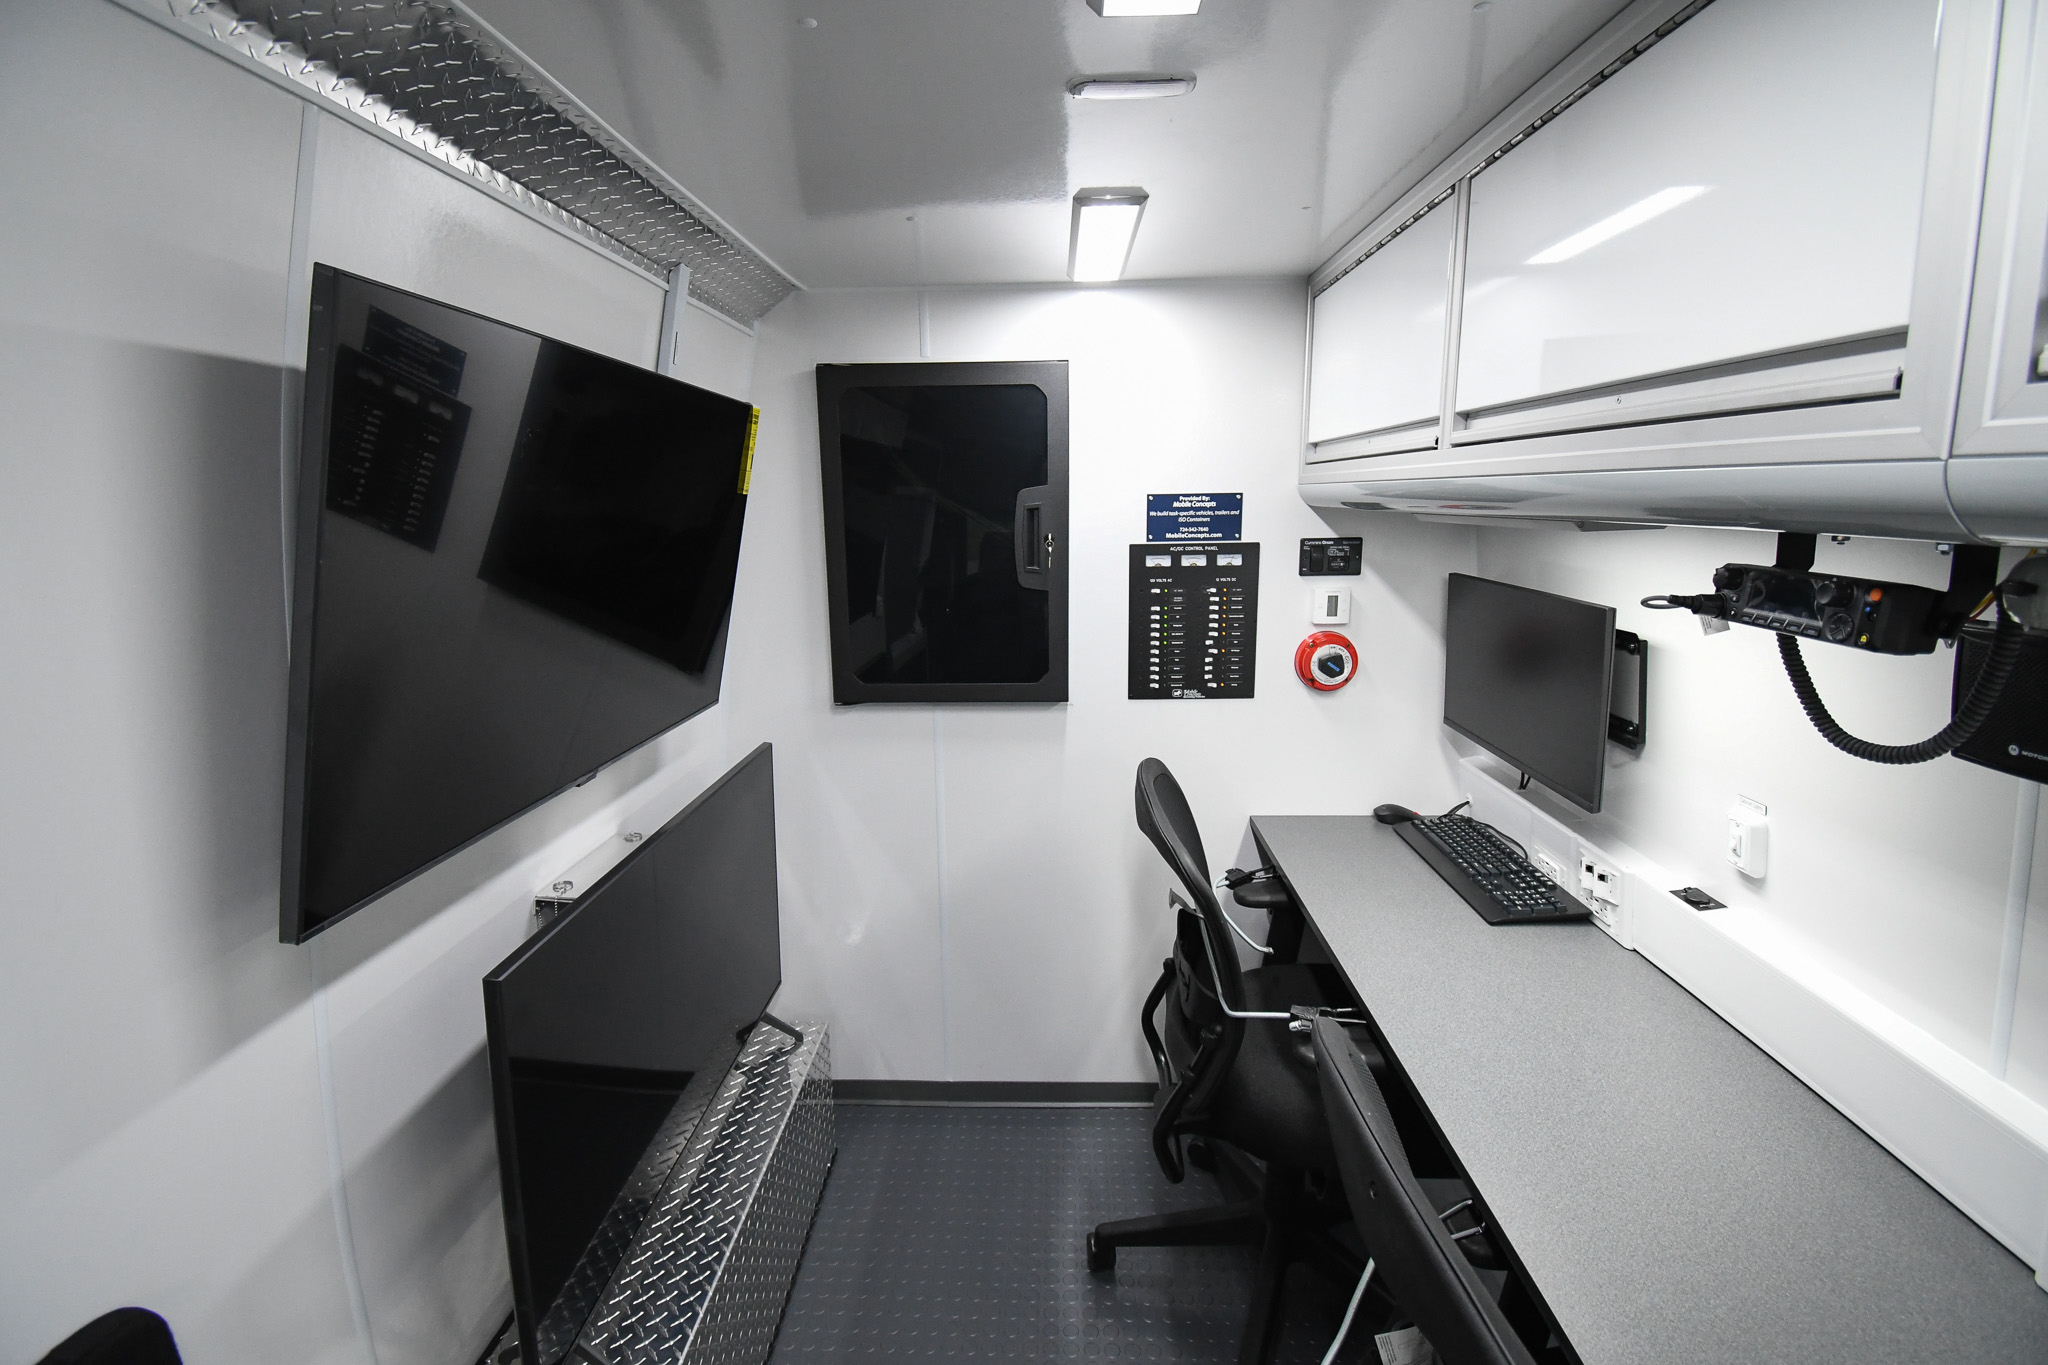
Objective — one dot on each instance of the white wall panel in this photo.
(1800, 126)
(714, 352)
(1377, 356)
(1028, 961)
(381, 213)
(160, 1139)
(1896, 876)
(855, 787)
(124, 222)
(2027, 1065)
(193, 1110)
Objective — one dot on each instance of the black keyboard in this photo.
(1488, 872)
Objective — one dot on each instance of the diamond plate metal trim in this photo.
(711, 1266)
(433, 75)
(615, 1236)
(740, 1322)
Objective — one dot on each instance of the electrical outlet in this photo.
(1598, 882)
(1548, 866)
(1749, 838)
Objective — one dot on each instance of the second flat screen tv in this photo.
(515, 562)
(597, 1026)
(1527, 675)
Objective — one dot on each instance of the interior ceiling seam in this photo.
(1527, 131)
(433, 75)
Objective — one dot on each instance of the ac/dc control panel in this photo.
(1194, 620)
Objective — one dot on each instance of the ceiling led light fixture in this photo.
(1635, 215)
(1130, 87)
(1142, 9)
(1105, 225)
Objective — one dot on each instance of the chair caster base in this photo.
(1201, 1155)
(1101, 1259)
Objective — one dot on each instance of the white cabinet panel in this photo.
(1750, 185)
(2004, 403)
(1376, 360)
(1998, 475)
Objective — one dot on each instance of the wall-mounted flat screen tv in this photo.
(514, 563)
(600, 1023)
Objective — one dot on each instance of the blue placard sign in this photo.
(1194, 516)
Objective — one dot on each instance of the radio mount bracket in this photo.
(1972, 576)
(1795, 551)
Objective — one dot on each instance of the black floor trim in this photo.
(993, 1092)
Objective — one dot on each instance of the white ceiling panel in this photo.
(894, 142)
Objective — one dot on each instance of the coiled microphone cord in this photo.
(1984, 694)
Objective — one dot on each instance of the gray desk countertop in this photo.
(1675, 1194)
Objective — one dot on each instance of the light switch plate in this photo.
(1749, 840)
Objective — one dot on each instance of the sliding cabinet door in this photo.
(1730, 222)
(1377, 354)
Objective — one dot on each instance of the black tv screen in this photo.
(599, 1022)
(514, 563)
(1527, 676)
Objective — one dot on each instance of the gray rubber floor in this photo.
(955, 1233)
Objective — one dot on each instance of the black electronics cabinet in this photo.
(946, 530)
(2014, 737)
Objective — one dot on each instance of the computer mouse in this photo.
(1393, 815)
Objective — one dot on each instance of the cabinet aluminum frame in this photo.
(1998, 474)
(1047, 376)
(1888, 405)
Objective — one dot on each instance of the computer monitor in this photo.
(599, 1023)
(1527, 677)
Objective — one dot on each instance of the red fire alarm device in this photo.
(1325, 661)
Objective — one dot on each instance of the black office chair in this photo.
(1416, 1251)
(1264, 889)
(126, 1336)
(1233, 1070)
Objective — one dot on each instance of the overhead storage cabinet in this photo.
(1709, 273)
(1746, 192)
(1998, 475)
(1376, 355)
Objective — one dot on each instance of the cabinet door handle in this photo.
(1032, 538)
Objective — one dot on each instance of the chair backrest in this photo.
(1169, 822)
(1205, 958)
(1427, 1272)
(126, 1336)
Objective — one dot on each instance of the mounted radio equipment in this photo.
(1796, 603)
